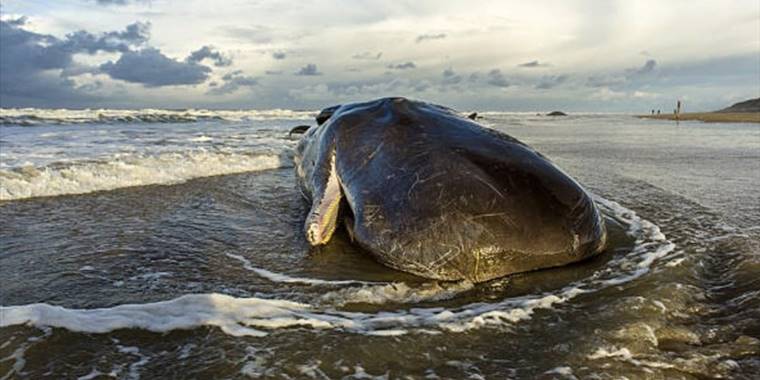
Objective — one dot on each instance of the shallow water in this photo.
(193, 264)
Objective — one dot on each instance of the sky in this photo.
(598, 56)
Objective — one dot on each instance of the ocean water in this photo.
(169, 244)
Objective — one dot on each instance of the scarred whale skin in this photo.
(429, 192)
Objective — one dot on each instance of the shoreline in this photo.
(709, 117)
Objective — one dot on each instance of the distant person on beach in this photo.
(677, 111)
(652, 112)
(658, 112)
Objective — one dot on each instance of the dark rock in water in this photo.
(299, 129)
(473, 116)
(752, 105)
(556, 113)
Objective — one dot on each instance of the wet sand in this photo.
(710, 117)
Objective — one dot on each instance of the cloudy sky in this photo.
(493, 55)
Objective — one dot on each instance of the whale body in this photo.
(427, 191)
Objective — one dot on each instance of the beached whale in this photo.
(429, 192)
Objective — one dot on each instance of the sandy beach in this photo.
(710, 117)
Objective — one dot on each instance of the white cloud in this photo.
(645, 95)
(590, 42)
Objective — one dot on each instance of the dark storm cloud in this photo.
(208, 52)
(628, 77)
(450, 77)
(28, 61)
(152, 68)
(17, 22)
(279, 55)
(37, 69)
(308, 70)
(604, 80)
(233, 82)
(496, 78)
(552, 81)
(367, 56)
(91, 87)
(734, 69)
(402, 66)
(648, 67)
(533, 64)
(82, 41)
(27, 52)
(428, 37)
(42, 90)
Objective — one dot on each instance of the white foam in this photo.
(369, 292)
(126, 171)
(38, 116)
(563, 371)
(312, 371)
(185, 351)
(676, 262)
(92, 375)
(202, 138)
(396, 293)
(255, 363)
(252, 316)
(152, 276)
(18, 362)
(255, 316)
(283, 278)
(235, 316)
(134, 368)
(650, 245)
(506, 312)
(624, 354)
(390, 332)
(361, 373)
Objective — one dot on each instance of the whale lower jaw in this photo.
(323, 217)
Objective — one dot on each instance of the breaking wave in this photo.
(38, 116)
(256, 316)
(125, 171)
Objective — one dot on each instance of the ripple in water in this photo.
(256, 316)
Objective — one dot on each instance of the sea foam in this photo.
(125, 171)
(257, 316)
(41, 116)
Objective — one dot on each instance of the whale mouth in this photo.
(323, 217)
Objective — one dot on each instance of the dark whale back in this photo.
(435, 194)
